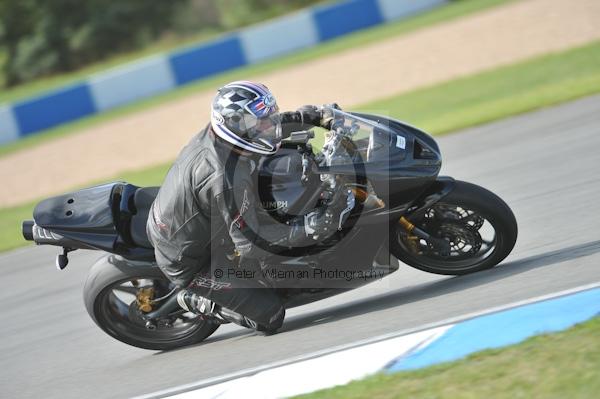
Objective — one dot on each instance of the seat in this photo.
(86, 210)
(142, 199)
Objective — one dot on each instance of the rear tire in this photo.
(485, 204)
(109, 313)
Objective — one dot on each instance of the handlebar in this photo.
(301, 137)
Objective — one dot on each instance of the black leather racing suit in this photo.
(206, 207)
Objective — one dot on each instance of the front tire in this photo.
(110, 299)
(460, 218)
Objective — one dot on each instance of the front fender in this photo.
(442, 186)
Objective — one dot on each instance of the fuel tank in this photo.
(281, 191)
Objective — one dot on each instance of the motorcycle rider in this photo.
(208, 203)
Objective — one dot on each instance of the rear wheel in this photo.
(118, 297)
(480, 228)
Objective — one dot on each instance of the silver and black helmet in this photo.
(246, 115)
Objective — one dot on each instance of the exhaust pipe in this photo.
(28, 230)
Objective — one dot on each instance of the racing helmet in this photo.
(246, 115)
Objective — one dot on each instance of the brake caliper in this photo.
(144, 299)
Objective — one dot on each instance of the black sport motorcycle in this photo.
(395, 208)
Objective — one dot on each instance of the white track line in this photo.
(453, 320)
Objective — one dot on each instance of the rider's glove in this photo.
(305, 229)
(317, 116)
(318, 222)
(327, 115)
(326, 219)
(309, 115)
(322, 221)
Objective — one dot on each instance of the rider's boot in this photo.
(198, 304)
(195, 303)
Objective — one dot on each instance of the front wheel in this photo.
(117, 293)
(480, 228)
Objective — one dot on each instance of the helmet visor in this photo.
(267, 129)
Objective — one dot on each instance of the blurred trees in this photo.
(44, 36)
(236, 13)
(41, 37)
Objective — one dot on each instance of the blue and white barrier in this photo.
(442, 343)
(284, 35)
(9, 129)
(158, 74)
(142, 79)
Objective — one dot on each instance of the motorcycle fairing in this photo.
(399, 160)
(84, 210)
(110, 217)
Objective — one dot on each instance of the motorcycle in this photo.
(395, 209)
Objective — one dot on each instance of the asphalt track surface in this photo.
(544, 164)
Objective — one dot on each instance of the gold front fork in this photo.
(408, 226)
(412, 239)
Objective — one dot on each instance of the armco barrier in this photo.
(60, 106)
(158, 74)
(142, 79)
(283, 35)
(9, 130)
(342, 18)
(214, 57)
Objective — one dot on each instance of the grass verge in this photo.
(445, 13)
(465, 102)
(499, 93)
(11, 218)
(559, 365)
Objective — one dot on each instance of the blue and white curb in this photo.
(449, 340)
(323, 372)
(158, 74)
(502, 329)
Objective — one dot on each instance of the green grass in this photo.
(451, 11)
(10, 225)
(559, 365)
(499, 93)
(465, 102)
(11, 218)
